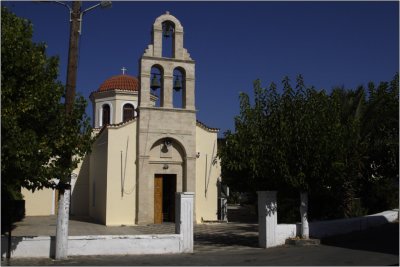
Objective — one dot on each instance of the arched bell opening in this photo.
(179, 88)
(168, 39)
(157, 84)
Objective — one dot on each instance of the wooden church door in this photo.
(158, 198)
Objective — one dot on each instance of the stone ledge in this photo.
(303, 242)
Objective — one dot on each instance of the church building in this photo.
(149, 144)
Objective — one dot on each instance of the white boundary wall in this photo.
(285, 231)
(43, 246)
(272, 234)
(342, 226)
(334, 227)
(181, 242)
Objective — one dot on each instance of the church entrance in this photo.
(164, 198)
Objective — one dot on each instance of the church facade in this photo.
(148, 145)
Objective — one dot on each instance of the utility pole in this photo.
(65, 189)
(64, 186)
(73, 56)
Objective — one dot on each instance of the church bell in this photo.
(167, 30)
(155, 83)
(177, 84)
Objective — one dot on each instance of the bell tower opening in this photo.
(179, 96)
(157, 85)
(168, 39)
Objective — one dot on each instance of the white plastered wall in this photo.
(39, 203)
(115, 99)
(80, 188)
(98, 178)
(207, 172)
(121, 175)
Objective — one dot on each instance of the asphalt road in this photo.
(376, 246)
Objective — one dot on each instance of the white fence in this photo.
(272, 234)
(327, 228)
(181, 242)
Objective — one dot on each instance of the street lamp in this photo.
(102, 4)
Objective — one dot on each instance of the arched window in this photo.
(106, 115)
(128, 112)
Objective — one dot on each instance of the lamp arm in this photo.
(90, 8)
(60, 3)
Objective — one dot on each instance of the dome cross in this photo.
(123, 70)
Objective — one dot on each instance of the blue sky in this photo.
(233, 43)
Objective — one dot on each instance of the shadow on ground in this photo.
(241, 231)
(383, 239)
(226, 239)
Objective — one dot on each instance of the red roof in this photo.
(120, 82)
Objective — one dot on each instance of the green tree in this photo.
(306, 140)
(380, 130)
(36, 133)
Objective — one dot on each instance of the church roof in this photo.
(205, 127)
(120, 82)
(99, 130)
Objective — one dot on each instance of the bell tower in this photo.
(165, 76)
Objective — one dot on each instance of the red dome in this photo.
(120, 82)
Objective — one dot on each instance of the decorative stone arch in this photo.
(102, 104)
(157, 33)
(166, 174)
(175, 143)
(167, 17)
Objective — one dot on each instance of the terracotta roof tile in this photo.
(120, 82)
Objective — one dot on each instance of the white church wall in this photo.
(80, 188)
(39, 203)
(115, 99)
(121, 175)
(207, 174)
(98, 178)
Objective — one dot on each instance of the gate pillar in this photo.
(267, 218)
(184, 219)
